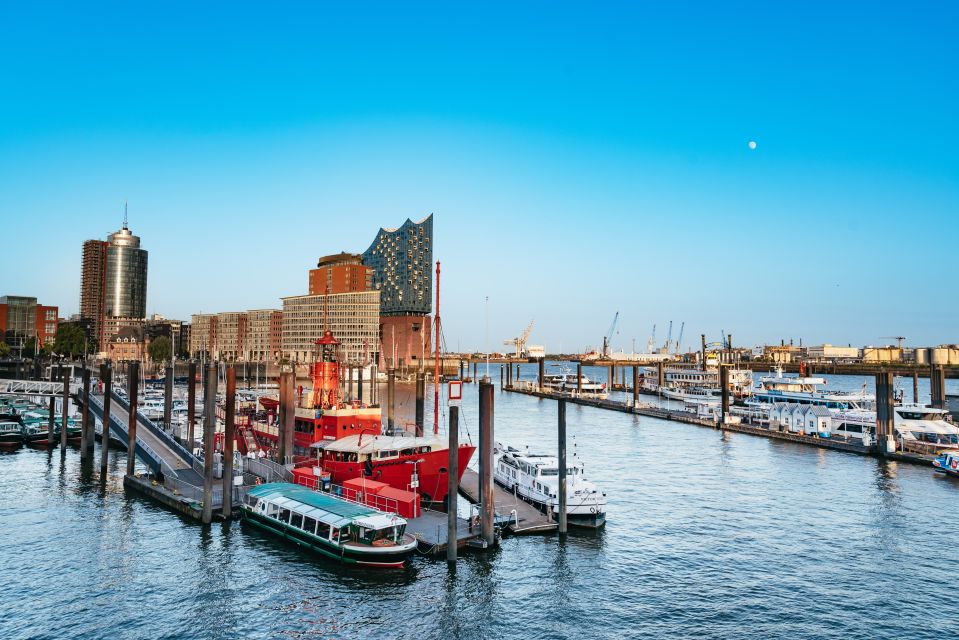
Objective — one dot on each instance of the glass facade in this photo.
(126, 281)
(402, 263)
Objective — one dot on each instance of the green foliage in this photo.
(30, 348)
(4, 349)
(160, 349)
(70, 340)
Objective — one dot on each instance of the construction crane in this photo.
(722, 332)
(679, 342)
(669, 337)
(898, 339)
(609, 335)
(520, 342)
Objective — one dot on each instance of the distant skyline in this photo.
(579, 160)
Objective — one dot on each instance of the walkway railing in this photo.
(162, 435)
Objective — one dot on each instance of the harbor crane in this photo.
(669, 337)
(898, 340)
(679, 341)
(520, 342)
(609, 335)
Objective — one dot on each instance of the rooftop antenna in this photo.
(124, 214)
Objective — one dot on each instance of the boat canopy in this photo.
(367, 443)
(335, 512)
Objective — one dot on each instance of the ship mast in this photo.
(436, 359)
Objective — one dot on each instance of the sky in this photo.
(580, 159)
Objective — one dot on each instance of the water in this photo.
(709, 536)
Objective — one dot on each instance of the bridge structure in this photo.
(155, 447)
(37, 388)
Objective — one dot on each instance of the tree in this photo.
(30, 348)
(160, 349)
(70, 340)
(4, 349)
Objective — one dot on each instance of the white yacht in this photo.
(535, 478)
(917, 427)
(565, 382)
(692, 383)
(805, 389)
(694, 395)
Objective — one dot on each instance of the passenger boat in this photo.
(805, 389)
(336, 528)
(35, 430)
(347, 441)
(535, 478)
(11, 435)
(566, 382)
(681, 381)
(694, 395)
(947, 463)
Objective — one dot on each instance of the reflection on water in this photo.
(709, 534)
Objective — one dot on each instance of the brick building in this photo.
(22, 318)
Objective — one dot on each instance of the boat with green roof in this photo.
(346, 531)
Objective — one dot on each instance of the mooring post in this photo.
(106, 379)
(541, 363)
(561, 414)
(133, 384)
(915, 387)
(289, 423)
(359, 384)
(486, 460)
(461, 369)
(65, 413)
(635, 385)
(391, 398)
(452, 489)
(937, 387)
(191, 405)
(228, 435)
(611, 378)
(168, 396)
(885, 408)
(86, 429)
(502, 377)
(420, 393)
(660, 376)
(579, 378)
(209, 426)
(474, 370)
(724, 390)
(53, 406)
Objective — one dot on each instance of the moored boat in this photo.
(947, 463)
(535, 478)
(10, 435)
(333, 527)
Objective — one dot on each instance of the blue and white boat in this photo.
(947, 463)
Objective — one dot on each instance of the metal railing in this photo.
(268, 470)
(168, 440)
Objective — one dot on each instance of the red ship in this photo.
(346, 441)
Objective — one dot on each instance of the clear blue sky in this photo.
(579, 158)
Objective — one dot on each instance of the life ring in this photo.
(592, 509)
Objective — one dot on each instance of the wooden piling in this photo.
(420, 393)
(86, 430)
(474, 371)
(502, 377)
(541, 362)
(486, 461)
(64, 413)
(191, 405)
(168, 397)
(106, 379)
(724, 390)
(209, 427)
(885, 413)
(561, 415)
(937, 386)
(452, 489)
(635, 385)
(53, 407)
(915, 387)
(133, 386)
(228, 441)
(579, 378)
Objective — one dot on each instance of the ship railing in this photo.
(268, 470)
(356, 496)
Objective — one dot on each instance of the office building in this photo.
(340, 273)
(352, 317)
(23, 318)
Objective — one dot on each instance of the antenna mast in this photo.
(436, 359)
(124, 214)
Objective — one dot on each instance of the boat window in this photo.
(309, 525)
(549, 472)
(296, 521)
(323, 530)
(336, 535)
(284, 515)
(272, 510)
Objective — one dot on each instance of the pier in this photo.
(518, 516)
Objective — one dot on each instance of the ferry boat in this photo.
(345, 531)
(947, 463)
(679, 380)
(535, 478)
(566, 382)
(322, 421)
(695, 395)
(11, 435)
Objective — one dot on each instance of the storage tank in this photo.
(938, 355)
(922, 355)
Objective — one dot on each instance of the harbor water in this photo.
(708, 536)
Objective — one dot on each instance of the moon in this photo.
(752, 145)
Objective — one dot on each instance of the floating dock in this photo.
(527, 520)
